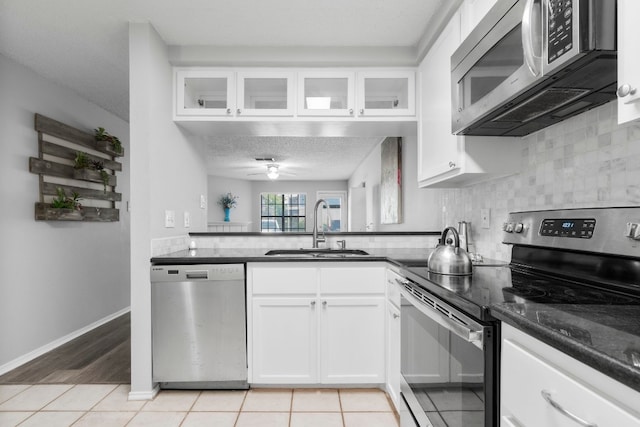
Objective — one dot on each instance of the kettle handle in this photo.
(456, 237)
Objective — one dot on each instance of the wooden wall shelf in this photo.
(58, 145)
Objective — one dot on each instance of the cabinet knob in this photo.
(228, 110)
(324, 303)
(350, 110)
(239, 111)
(396, 315)
(313, 303)
(362, 111)
(452, 165)
(625, 90)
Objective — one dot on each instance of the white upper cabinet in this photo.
(265, 93)
(386, 93)
(326, 93)
(444, 159)
(213, 94)
(628, 61)
(202, 92)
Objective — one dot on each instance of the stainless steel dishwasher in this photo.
(199, 332)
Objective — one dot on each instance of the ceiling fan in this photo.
(273, 169)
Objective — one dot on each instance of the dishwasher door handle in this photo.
(197, 274)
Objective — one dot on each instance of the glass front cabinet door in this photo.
(386, 93)
(264, 93)
(326, 93)
(205, 93)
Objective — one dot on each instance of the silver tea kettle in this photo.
(450, 260)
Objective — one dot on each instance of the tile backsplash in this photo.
(586, 161)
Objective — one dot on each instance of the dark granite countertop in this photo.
(605, 337)
(242, 255)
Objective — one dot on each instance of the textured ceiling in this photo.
(308, 159)
(83, 45)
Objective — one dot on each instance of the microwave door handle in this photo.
(529, 33)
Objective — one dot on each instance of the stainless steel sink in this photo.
(317, 253)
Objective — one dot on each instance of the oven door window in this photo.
(444, 373)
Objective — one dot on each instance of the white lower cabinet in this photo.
(352, 340)
(393, 354)
(393, 336)
(284, 340)
(540, 386)
(316, 323)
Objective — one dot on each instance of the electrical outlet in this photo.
(485, 218)
(169, 219)
(187, 219)
(203, 202)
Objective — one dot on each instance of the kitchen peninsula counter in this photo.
(399, 256)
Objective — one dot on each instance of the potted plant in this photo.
(65, 207)
(227, 201)
(90, 169)
(108, 141)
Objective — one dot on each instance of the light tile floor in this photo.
(99, 405)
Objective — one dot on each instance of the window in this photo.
(335, 217)
(283, 212)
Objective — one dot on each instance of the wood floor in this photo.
(101, 356)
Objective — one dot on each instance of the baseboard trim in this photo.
(144, 395)
(15, 363)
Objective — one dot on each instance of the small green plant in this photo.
(228, 201)
(62, 201)
(102, 135)
(81, 161)
(104, 175)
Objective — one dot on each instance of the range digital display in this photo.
(580, 228)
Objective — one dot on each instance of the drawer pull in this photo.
(547, 396)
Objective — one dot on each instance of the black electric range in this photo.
(553, 262)
(574, 279)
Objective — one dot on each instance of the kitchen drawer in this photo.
(352, 280)
(526, 376)
(393, 287)
(288, 280)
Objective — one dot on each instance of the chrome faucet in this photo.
(317, 239)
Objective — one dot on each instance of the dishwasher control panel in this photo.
(181, 273)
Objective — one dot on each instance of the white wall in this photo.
(57, 277)
(168, 173)
(310, 188)
(217, 186)
(248, 208)
(421, 207)
(585, 161)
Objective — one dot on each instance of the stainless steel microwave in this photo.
(531, 63)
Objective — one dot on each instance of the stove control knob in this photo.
(508, 227)
(519, 227)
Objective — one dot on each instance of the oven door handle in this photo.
(475, 337)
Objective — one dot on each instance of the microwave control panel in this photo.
(559, 28)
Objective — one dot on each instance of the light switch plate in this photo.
(203, 202)
(485, 218)
(187, 219)
(169, 219)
